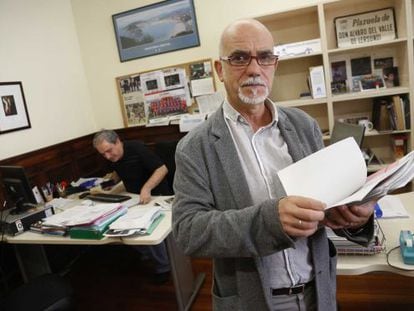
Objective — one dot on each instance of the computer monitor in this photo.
(18, 190)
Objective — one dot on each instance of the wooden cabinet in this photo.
(318, 22)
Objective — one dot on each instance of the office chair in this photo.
(48, 292)
(343, 130)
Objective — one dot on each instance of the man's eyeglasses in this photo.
(244, 59)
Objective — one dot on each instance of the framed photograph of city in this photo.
(157, 28)
(13, 111)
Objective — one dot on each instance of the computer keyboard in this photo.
(106, 197)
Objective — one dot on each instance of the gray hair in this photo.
(108, 135)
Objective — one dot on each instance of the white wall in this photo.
(64, 52)
(39, 46)
(93, 20)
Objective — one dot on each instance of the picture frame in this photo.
(365, 27)
(13, 109)
(155, 29)
(371, 82)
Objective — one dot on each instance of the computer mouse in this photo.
(83, 195)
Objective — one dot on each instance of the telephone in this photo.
(407, 246)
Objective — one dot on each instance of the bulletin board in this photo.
(164, 93)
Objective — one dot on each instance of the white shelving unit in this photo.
(317, 22)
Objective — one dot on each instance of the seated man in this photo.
(142, 172)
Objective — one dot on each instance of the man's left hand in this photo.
(349, 217)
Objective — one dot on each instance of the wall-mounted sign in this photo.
(365, 28)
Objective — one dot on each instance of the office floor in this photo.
(114, 278)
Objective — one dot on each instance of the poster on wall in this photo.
(157, 28)
(366, 27)
(13, 112)
(162, 96)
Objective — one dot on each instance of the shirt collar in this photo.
(233, 115)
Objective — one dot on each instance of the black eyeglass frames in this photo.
(244, 59)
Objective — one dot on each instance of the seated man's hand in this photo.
(300, 216)
(349, 217)
(144, 196)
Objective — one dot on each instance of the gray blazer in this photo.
(213, 214)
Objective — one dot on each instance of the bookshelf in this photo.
(317, 21)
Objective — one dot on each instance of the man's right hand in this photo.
(300, 216)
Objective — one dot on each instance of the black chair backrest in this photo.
(166, 151)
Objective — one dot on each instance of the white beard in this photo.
(254, 99)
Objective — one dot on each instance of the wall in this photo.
(65, 54)
(40, 48)
(93, 20)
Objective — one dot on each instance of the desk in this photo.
(33, 261)
(355, 264)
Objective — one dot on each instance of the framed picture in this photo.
(13, 111)
(338, 70)
(365, 27)
(361, 66)
(370, 82)
(157, 28)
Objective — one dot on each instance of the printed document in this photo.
(337, 175)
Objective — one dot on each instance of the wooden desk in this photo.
(355, 264)
(33, 260)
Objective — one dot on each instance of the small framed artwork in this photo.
(338, 71)
(370, 82)
(13, 111)
(361, 66)
(157, 28)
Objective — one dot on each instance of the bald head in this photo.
(242, 27)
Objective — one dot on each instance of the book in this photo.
(398, 111)
(337, 175)
(380, 114)
(317, 82)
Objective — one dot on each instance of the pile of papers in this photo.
(85, 221)
(391, 207)
(337, 175)
(346, 247)
(138, 221)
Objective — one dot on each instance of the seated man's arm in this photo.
(157, 176)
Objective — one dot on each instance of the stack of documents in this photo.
(346, 247)
(337, 175)
(87, 222)
(137, 221)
